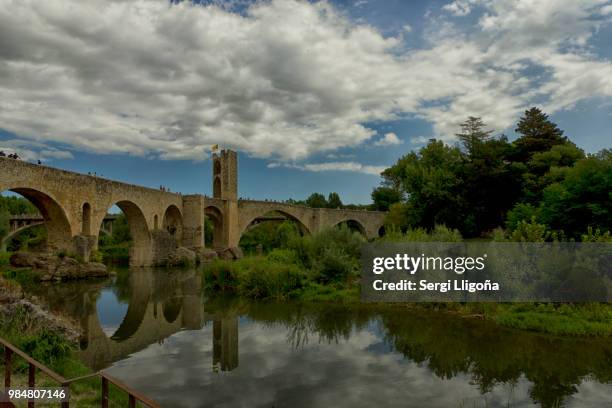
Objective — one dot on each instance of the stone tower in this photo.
(225, 175)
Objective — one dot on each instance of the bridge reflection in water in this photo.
(160, 303)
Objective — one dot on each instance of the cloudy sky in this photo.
(316, 96)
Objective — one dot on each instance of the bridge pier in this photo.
(84, 245)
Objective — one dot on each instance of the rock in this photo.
(67, 268)
(23, 259)
(181, 256)
(54, 268)
(93, 270)
(205, 254)
(230, 253)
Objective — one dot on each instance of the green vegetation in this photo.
(53, 350)
(324, 266)
(318, 200)
(488, 182)
(29, 239)
(560, 319)
(115, 248)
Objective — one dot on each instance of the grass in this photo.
(4, 259)
(262, 278)
(54, 351)
(23, 276)
(591, 319)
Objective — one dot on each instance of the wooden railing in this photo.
(10, 350)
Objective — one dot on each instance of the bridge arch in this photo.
(173, 222)
(140, 251)
(284, 211)
(215, 215)
(353, 224)
(86, 219)
(59, 230)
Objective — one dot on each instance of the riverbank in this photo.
(278, 278)
(48, 338)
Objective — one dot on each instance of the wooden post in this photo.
(7, 367)
(132, 401)
(31, 380)
(104, 392)
(66, 404)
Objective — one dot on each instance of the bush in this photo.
(440, 233)
(530, 232)
(334, 265)
(330, 255)
(47, 347)
(287, 256)
(521, 212)
(257, 278)
(596, 236)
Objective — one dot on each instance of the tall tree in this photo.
(316, 200)
(432, 186)
(333, 200)
(473, 134)
(383, 197)
(538, 134)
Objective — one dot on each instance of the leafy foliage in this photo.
(383, 197)
(541, 184)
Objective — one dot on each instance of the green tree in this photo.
(333, 200)
(545, 168)
(383, 197)
(473, 135)
(316, 200)
(490, 186)
(538, 134)
(432, 186)
(582, 199)
(17, 205)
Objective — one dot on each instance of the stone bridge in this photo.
(22, 222)
(74, 206)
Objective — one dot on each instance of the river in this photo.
(160, 333)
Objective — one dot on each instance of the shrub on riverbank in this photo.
(118, 254)
(255, 277)
(322, 266)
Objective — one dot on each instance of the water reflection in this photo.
(139, 308)
(188, 350)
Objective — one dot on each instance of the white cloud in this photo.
(459, 7)
(284, 79)
(350, 166)
(388, 139)
(33, 151)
